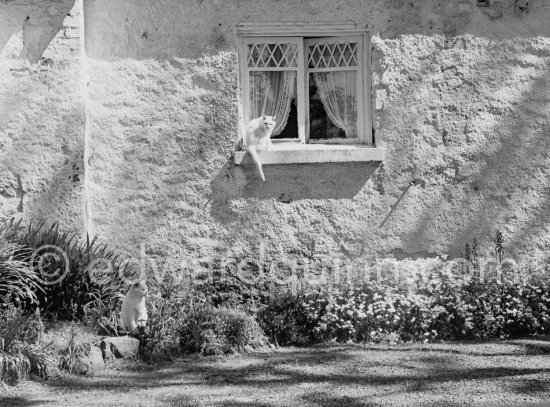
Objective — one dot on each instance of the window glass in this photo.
(333, 55)
(272, 94)
(313, 86)
(333, 104)
(277, 55)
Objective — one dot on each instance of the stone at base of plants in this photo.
(90, 362)
(13, 367)
(119, 347)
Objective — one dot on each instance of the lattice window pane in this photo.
(272, 55)
(335, 55)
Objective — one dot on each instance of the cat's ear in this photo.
(263, 117)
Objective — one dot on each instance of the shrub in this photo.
(216, 331)
(226, 287)
(17, 280)
(103, 316)
(167, 305)
(18, 328)
(20, 338)
(445, 306)
(13, 367)
(285, 319)
(73, 275)
(370, 313)
(40, 363)
(161, 337)
(70, 357)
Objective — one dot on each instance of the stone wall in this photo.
(41, 111)
(461, 99)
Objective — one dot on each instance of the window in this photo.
(313, 85)
(314, 78)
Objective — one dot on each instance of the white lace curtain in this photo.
(338, 92)
(271, 93)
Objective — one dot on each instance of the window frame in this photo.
(303, 33)
(245, 83)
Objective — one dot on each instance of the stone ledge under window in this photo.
(292, 153)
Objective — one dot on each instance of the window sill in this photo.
(292, 153)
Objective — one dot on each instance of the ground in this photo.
(458, 374)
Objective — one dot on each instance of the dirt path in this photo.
(496, 374)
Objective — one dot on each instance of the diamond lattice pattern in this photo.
(272, 55)
(332, 55)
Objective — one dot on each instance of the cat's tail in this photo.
(256, 158)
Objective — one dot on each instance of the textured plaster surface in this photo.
(461, 102)
(41, 111)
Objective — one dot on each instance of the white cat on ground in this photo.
(258, 138)
(133, 313)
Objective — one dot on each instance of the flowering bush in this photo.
(447, 306)
(371, 314)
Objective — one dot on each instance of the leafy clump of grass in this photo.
(13, 367)
(21, 351)
(73, 275)
(40, 363)
(167, 306)
(18, 328)
(73, 352)
(17, 280)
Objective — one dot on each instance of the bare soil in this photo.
(508, 373)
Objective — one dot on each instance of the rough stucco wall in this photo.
(41, 112)
(461, 99)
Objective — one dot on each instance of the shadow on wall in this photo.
(39, 20)
(515, 175)
(287, 183)
(511, 190)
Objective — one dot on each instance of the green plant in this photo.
(167, 306)
(73, 275)
(471, 254)
(18, 328)
(17, 280)
(103, 315)
(13, 367)
(73, 351)
(499, 246)
(285, 319)
(40, 362)
(215, 331)
(160, 337)
(445, 304)
(228, 288)
(475, 254)
(20, 340)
